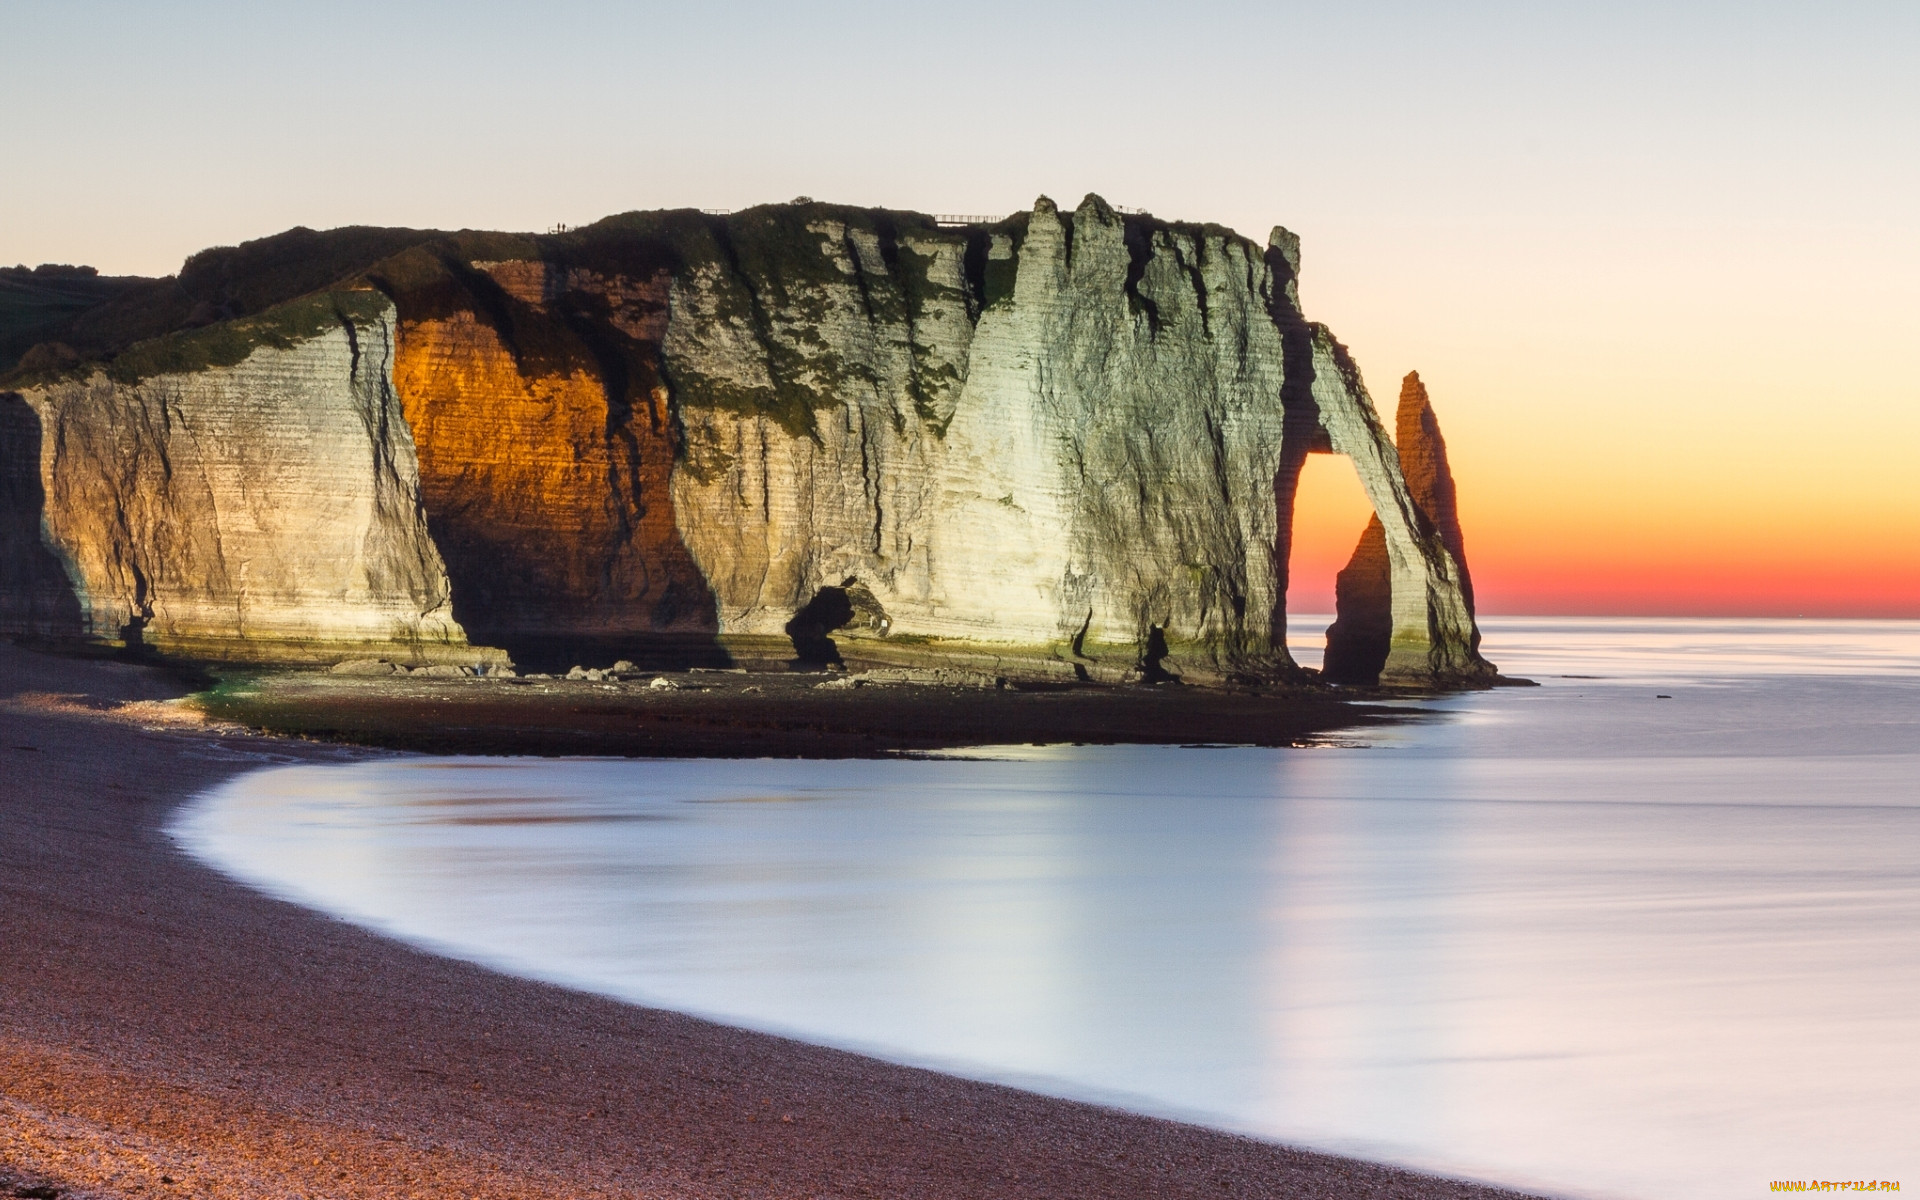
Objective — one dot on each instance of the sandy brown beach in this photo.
(165, 1032)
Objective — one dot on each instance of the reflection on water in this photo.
(1580, 937)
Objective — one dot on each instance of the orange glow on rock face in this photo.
(545, 461)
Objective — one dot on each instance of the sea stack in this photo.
(1365, 645)
(1055, 445)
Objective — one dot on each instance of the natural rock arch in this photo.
(1410, 557)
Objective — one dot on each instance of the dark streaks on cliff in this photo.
(36, 596)
(1140, 250)
(974, 270)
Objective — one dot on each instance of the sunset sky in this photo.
(1659, 264)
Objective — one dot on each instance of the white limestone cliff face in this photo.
(267, 509)
(1061, 445)
(1110, 465)
(774, 506)
(1093, 471)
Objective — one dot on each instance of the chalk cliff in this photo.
(268, 508)
(1059, 444)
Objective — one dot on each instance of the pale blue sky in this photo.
(137, 132)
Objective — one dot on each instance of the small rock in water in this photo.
(662, 684)
(623, 667)
(578, 672)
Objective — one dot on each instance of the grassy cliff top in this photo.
(36, 304)
(229, 297)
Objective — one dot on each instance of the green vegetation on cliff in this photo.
(774, 271)
(230, 342)
(215, 287)
(38, 304)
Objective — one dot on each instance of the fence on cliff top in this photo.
(950, 219)
(963, 219)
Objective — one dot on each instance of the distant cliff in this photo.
(1056, 445)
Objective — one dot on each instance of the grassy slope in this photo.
(37, 307)
(766, 253)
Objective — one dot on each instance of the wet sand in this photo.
(165, 1032)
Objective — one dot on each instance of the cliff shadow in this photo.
(830, 609)
(556, 598)
(37, 599)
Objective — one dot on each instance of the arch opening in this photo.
(1330, 513)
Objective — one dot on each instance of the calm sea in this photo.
(1649, 930)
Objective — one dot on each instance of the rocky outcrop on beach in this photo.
(1061, 444)
(1364, 644)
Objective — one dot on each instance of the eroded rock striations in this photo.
(1061, 444)
(264, 509)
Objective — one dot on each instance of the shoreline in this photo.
(167, 1031)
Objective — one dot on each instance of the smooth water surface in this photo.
(1580, 937)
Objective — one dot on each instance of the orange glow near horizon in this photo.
(1330, 510)
(1657, 420)
(1603, 528)
(1642, 571)
(1758, 511)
